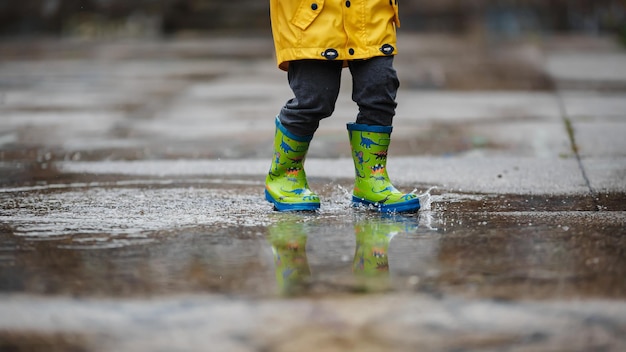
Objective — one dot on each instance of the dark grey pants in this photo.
(315, 85)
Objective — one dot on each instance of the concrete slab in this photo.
(522, 139)
(490, 175)
(57, 128)
(591, 66)
(107, 70)
(331, 324)
(600, 139)
(528, 137)
(594, 105)
(606, 175)
(54, 99)
(464, 106)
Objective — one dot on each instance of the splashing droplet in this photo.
(425, 198)
(345, 191)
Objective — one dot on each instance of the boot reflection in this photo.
(288, 241)
(371, 258)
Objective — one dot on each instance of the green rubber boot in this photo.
(286, 186)
(372, 186)
(288, 240)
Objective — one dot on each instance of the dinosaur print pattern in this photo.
(357, 173)
(359, 157)
(297, 161)
(389, 188)
(297, 191)
(408, 196)
(381, 155)
(378, 169)
(378, 173)
(367, 142)
(293, 171)
(287, 148)
(292, 174)
(277, 162)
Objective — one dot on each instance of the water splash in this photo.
(426, 199)
(128, 213)
(426, 214)
(337, 200)
(345, 191)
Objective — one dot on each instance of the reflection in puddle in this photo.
(370, 263)
(371, 257)
(288, 239)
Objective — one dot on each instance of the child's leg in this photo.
(315, 85)
(374, 87)
(375, 84)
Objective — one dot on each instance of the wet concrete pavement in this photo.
(132, 214)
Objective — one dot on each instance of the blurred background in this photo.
(137, 18)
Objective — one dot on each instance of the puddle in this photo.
(135, 238)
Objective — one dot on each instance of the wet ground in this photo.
(132, 214)
(130, 239)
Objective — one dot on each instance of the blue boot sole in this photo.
(291, 206)
(412, 205)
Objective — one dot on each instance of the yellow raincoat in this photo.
(333, 29)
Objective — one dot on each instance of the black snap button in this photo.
(313, 6)
(348, 3)
(387, 49)
(330, 54)
(351, 51)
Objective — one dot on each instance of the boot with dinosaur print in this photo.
(372, 187)
(285, 185)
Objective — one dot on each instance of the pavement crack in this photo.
(569, 127)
